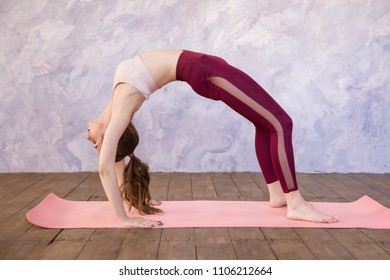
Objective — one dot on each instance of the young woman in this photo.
(211, 77)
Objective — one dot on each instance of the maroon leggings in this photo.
(214, 78)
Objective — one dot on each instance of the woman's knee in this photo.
(286, 122)
(283, 125)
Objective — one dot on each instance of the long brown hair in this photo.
(136, 177)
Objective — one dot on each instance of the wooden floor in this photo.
(21, 240)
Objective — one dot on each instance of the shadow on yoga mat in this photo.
(55, 212)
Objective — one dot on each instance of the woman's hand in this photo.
(140, 222)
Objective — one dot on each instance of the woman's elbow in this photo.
(104, 167)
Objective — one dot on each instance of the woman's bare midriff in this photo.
(161, 65)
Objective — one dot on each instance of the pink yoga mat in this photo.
(55, 212)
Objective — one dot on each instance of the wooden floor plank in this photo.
(322, 245)
(86, 189)
(70, 241)
(20, 200)
(159, 184)
(14, 183)
(225, 187)
(180, 243)
(104, 244)
(49, 247)
(83, 234)
(24, 240)
(79, 237)
(177, 244)
(359, 245)
(246, 233)
(63, 250)
(306, 193)
(286, 244)
(258, 178)
(16, 227)
(22, 250)
(253, 249)
(250, 244)
(384, 178)
(13, 217)
(21, 240)
(342, 190)
(369, 181)
(214, 244)
(203, 187)
(180, 187)
(380, 236)
(140, 244)
(360, 188)
(320, 191)
(247, 187)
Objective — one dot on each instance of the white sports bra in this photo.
(134, 72)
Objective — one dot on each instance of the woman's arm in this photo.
(119, 169)
(97, 127)
(125, 103)
(106, 114)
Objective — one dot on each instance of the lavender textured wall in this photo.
(326, 62)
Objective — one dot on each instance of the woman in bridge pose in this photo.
(211, 77)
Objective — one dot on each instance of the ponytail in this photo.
(135, 187)
(136, 178)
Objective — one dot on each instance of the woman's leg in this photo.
(274, 127)
(263, 152)
(254, 103)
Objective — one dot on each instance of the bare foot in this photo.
(277, 202)
(307, 212)
(299, 209)
(276, 196)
